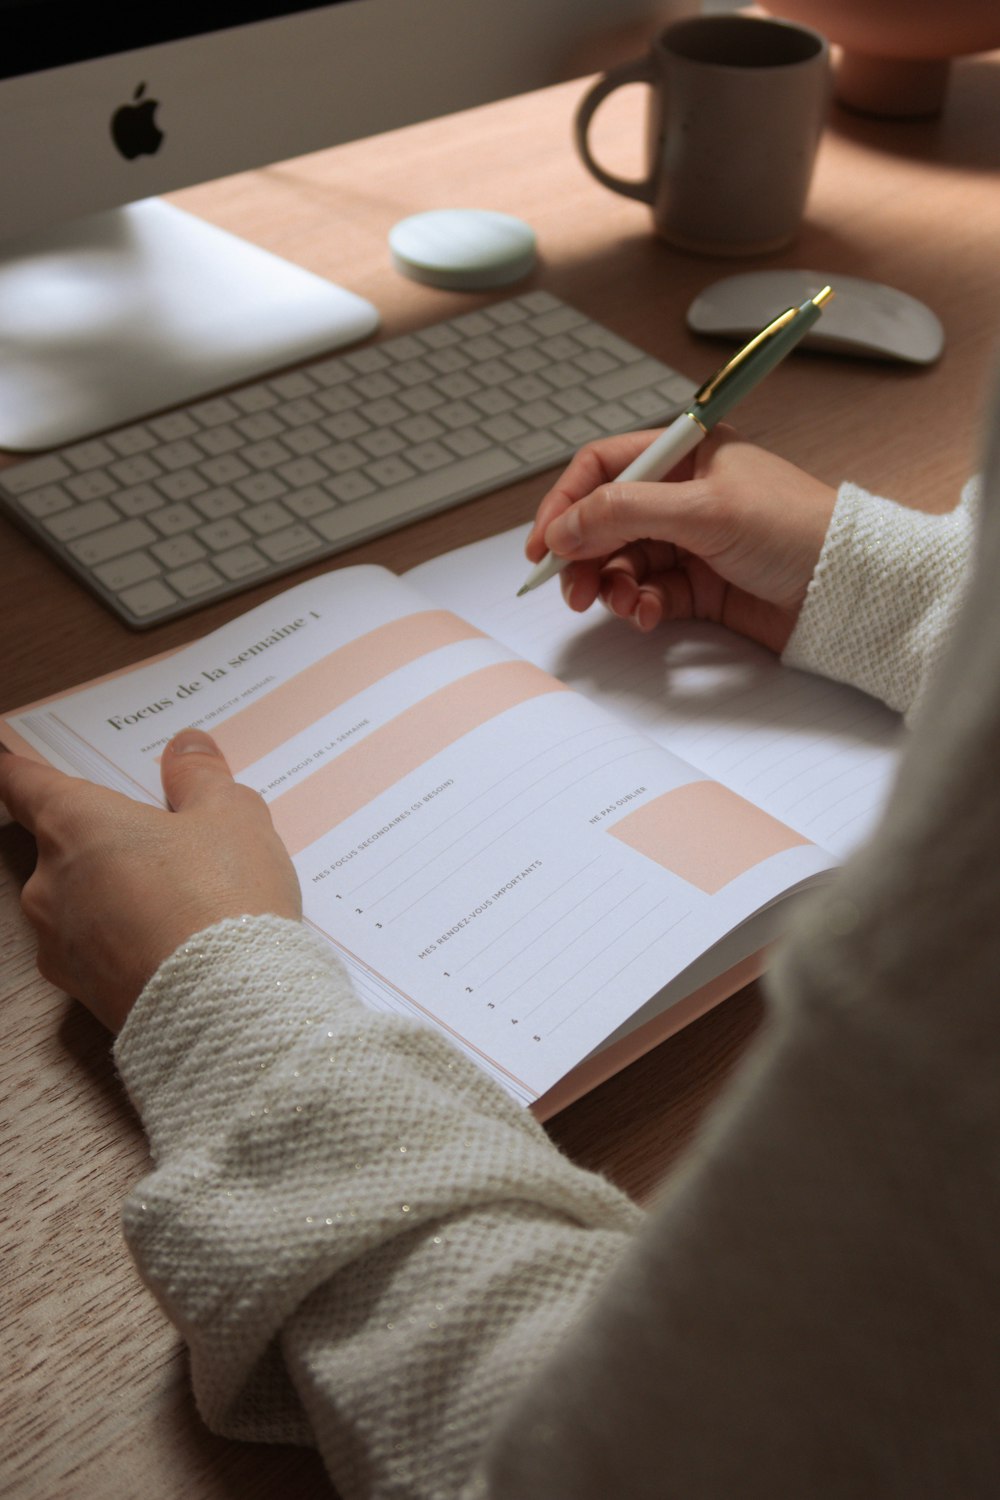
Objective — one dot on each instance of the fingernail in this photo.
(621, 596)
(567, 534)
(189, 740)
(646, 612)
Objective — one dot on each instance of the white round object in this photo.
(463, 249)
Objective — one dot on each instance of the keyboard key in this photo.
(302, 471)
(575, 400)
(350, 487)
(259, 425)
(219, 440)
(306, 440)
(535, 447)
(613, 417)
(298, 413)
(174, 518)
(224, 469)
(389, 471)
(577, 430)
(422, 398)
(89, 455)
(178, 551)
(292, 386)
(123, 572)
(294, 542)
(342, 456)
(623, 380)
(148, 598)
(113, 541)
(219, 502)
(504, 427)
(241, 562)
(214, 411)
(309, 502)
(190, 583)
(428, 456)
(182, 485)
(381, 442)
(88, 486)
(345, 425)
(135, 470)
(180, 455)
(138, 500)
(254, 398)
(129, 440)
(174, 425)
(420, 428)
(260, 487)
(36, 472)
(558, 320)
(219, 536)
(46, 501)
(81, 520)
(267, 454)
(267, 517)
(467, 441)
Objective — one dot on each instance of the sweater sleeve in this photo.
(811, 1308)
(367, 1246)
(883, 600)
(365, 1243)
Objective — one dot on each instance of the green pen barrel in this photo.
(753, 370)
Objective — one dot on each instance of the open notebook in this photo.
(552, 838)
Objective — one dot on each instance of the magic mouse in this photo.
(864, 317)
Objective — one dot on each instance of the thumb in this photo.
(193, 768)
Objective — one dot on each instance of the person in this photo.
(369, 1247)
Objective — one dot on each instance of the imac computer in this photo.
(114, 304)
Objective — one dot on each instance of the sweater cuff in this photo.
(882, 602)
(233, 994)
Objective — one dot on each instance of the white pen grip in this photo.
(654, 462)
(665, 451)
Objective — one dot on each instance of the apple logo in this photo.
(133, 128)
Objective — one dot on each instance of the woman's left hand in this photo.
(120, 885)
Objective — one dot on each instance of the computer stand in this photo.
(110, 318)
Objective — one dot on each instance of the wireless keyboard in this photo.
(169, 514)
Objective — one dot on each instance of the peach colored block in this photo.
(262, 726)
(705, 833)
(373, 765)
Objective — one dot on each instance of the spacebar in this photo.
(413, 497)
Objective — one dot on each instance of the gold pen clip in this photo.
(708, 390)
(711, 385)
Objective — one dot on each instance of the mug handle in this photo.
(641, 70)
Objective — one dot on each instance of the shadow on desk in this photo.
(964, 135)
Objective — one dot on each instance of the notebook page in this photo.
(816, 754)
(487, 850)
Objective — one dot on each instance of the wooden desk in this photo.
(94, 1398)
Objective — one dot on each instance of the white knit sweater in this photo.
(368, 1247)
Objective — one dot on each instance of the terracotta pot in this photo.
(896, 54)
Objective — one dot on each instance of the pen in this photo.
(710, 403)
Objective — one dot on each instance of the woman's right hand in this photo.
(732, 535)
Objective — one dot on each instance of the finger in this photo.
(580, 584)
(594, 465)
(614, 515)
(26, 786)
(598, 578)
(193, 769)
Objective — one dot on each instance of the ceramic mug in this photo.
(736, 109)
